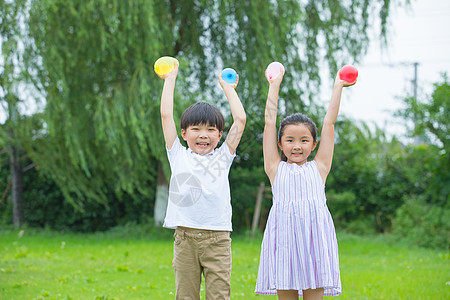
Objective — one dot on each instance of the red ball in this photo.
(348, 73)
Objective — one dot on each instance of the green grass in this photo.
(44, 265)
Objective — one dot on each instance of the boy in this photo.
(199, 207)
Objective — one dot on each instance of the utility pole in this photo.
(414, 81)
(417, 139)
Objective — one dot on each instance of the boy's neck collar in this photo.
(206, 154)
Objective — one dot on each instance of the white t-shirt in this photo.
(199, 192)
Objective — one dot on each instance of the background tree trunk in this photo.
(17, 185)
(162, 197)
(257, 212)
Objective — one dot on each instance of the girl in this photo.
(299, 253)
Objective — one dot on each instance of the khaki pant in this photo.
(202, 251)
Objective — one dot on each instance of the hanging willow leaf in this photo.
(94, 62)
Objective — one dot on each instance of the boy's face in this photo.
(202, 138)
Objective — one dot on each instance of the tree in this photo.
(424, 217)
(94, 67)
(15, 132)
(93, 60)
(430, 120)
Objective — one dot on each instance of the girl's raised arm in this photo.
(270, 149)
(324, 154)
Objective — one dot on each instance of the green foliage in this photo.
(424, 216)
(431, 117)
(14, 130)
(101, 94)
(348, 215)
(18, 129)
(358, 170)
(423, 224)
(371, 177)
(381, 184)
(44, 206)
(93, 61)
(431, 123)
(244, 185)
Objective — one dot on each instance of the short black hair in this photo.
(202, 113)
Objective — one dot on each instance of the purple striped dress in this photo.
(299, 250)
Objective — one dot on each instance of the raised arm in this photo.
(324, 154)
(270, 143)
(168, 123)
(238, 113)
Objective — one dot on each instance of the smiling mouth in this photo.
(203, 145)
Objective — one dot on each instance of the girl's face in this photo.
(297, 143)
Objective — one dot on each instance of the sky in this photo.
(419, 34)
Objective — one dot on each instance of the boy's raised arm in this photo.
(168, 123)
(238, 113)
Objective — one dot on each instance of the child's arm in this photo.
(270, 143)
(168, 124)
(238, 113)
(324, 154)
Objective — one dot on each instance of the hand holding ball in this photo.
(229, 75)
(348, 73)
(274, 69)
(164, 65)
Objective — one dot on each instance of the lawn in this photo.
(48, 265)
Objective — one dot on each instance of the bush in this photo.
(423, 224)
(342, 207)
(347, 215)
(44, 206)
(244, 185)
